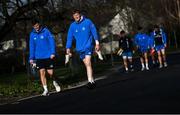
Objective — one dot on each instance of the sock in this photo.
(131, 66)
(91, 80)
(153, 62)
(142, 65)
(126, 69)
(146, 65)
(45, 87)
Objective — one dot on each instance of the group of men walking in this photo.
(144, 44)
(83, 32)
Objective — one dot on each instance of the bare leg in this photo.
(142, 63)
(164, 57)
(125, 63)
(153, 58)
(146, 60)
(51, 73)
(44, 81)
(87, 63)
(160, 59)
(56, 85)
(131, 63)
(43, 77)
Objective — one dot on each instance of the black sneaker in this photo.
(91, 85)
(132, 69)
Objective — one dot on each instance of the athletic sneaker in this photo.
(165, 64)
(57, 87)
(160, 66)
(131, 68)
(147, 68)
(143, 68)
(91, 85)
(45, 93)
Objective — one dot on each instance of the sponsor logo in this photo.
(83, 28)
(35, 38)
(76, 31)
(42, 37)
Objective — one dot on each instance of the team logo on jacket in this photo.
(83, 28)
(35, 38)
(76, 30)
(42, 37)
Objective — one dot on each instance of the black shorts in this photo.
(45, 63)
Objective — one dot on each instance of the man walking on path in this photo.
(159, 44)
(42, 49)
(84, 32)
(142, 44)
(126, 44)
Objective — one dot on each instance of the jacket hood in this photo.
(40, 30)
(81, 20)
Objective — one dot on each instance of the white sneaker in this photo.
(57, 87)
(160, 66)
(45, 93)
(165, 64)
(143, 68)
(147, 68)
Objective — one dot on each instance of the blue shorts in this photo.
(127, 55)
(143, 50)
(84, 53)
(159, 47)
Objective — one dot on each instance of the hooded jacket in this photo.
(142, 40)
(41, 44)
(83, 32)
(158, 38)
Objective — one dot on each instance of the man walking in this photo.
(84, 32)
(42, 49)
(160, 43)
(142, 44)
(126, 44)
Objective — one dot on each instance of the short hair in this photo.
(35, 21)
(156, 26)
(139, 28)
(76, 11)
(122, 32)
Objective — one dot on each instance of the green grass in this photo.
(19, 85)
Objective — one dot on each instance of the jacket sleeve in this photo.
(31, 48)
(136, 40)
(51, 41)
(69, 38)
(94, 31)
(149, 42)
(164, 38)
(120, 44)
(152, 38)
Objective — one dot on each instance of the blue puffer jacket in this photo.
(142, 41)
(41, 44)
(84, 32)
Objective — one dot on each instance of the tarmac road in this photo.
(154, 91)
